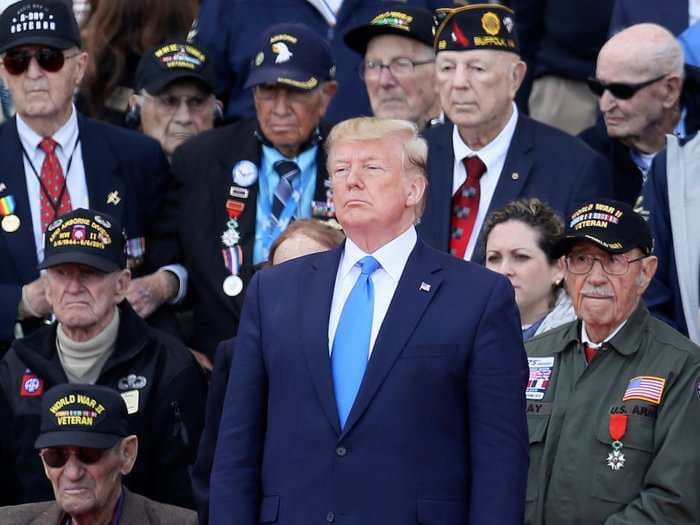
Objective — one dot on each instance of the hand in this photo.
(34, 302)
(147, 293)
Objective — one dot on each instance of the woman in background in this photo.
(520, 241)
(115, 35)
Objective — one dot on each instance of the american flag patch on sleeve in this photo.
(645, 388)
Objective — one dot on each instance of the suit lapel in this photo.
(106, 191)
(404, 314)
(319, 283)
(21, 246)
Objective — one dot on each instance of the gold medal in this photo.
(10, 223)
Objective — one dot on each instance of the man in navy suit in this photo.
(365, 389)
(55, 160)
(490, 155)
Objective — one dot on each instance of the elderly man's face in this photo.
(176, 114)
(603, 301)
(92, 489)
(373, 194)
(83, 299)
(40, 94)
(288, 116)
(409, 93)
(628, 120)
(478, 86)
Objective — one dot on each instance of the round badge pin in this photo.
(245, 173)
(233, 285)
(10, 223)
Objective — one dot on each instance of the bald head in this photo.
(645, 48)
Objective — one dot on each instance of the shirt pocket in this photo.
(536, 430)
(623, 485)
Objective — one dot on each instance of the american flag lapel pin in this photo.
(424, 287)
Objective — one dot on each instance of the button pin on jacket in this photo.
(424, 287)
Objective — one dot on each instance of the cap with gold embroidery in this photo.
(82, 416)
(86, 237)
(174, 60)
(610, 224)
(292, 55)
(411, 22)
(476, 26)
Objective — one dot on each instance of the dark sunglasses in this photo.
(618, 89)
(56, 457)
(50, 59)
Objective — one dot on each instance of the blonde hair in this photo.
(415, 147)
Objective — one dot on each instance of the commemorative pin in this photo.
(238, 192)
(10, 221)
(245, 173)
(233, 285)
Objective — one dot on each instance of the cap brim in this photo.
(358, 38)
(98, 263)
(76, 438)
(58, 43)
(267, 75)
(157, 85)
(564, 245)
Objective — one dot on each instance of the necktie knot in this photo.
(368, 265)
(286, 169)
(475, 167)
(590, 352)
(48, 145)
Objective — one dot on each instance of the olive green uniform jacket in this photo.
(569, 405)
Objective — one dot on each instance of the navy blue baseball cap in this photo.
(50, 23)
(292, 55)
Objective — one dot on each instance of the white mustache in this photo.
(597, 291)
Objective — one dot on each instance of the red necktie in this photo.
(53, 185)
(590, 352)
(465, 206)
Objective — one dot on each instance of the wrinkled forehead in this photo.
(362, 149)
(486, 56)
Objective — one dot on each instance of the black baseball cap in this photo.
(50, 23)
(162, 65)
(82, 416)
(86, 237)
(292, 55)
(476, 26)
(411, 22)
(610, 224)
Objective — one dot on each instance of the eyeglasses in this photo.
(399, 67)
(612, 264)
(56, 457)
(16, 61)
(619, 89)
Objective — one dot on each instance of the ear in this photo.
(558, 271)
(47, 288)
(518, 71)
(122, 285)
(82, 62)
(416, 189)
(128, 450)
(673, 86)
(328, 91)
(134, 100)
(647, 272)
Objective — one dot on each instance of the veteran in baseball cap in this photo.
(406, 21)
(171, 61)
(39, 22)
(86, 237)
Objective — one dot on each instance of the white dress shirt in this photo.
(493, 155)
(392, 258)
(76, 185)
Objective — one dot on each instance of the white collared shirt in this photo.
(587, 340)
(76, 185)
(493, 155)
(392, 258)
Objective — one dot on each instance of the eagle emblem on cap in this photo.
(282, 51)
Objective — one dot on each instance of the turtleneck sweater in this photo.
(83, 361)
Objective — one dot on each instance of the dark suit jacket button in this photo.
(330, 517)
(341, 451)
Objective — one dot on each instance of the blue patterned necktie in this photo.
(287, 170)
(352, 337)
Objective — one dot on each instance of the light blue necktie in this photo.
(351, 343)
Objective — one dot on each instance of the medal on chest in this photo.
(617, 427)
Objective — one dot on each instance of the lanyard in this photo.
(55, 205)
